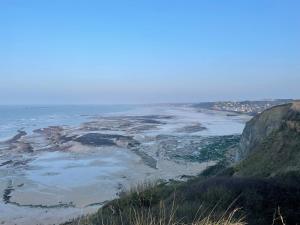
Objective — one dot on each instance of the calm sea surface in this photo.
(28, 118)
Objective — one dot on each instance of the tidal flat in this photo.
(56, 173)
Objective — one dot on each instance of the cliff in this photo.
(265, 178)
(270, 143)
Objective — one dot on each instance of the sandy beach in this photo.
(57, 173)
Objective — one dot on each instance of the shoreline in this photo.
(102, 157)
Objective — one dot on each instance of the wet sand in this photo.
(58, 173)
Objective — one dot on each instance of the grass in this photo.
(278, 153)
(164, 216)
(212, 197)
(205, 200)
(214, 149)
(264, 188)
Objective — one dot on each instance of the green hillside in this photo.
(278, 152)
(263, 184)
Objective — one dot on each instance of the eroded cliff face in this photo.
(285, 116)
(270, 143)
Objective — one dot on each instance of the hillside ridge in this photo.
(270, 143)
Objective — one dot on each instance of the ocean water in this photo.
(29, 118)
(89, 177)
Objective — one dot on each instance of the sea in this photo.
(89, 176)
(31, 117)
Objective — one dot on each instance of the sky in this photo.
(138, 51)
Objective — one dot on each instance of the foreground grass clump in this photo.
(264, 186)
(154, 203)
(205, 200)
(145, 216)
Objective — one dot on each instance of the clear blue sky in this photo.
(126, 51)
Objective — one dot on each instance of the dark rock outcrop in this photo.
(16, 138)
(98, 139)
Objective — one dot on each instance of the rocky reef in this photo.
(62, 170)
(263, 182)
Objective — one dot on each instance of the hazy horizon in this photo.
(138, 104)
(91, 52)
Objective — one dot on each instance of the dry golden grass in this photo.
(142, 217)
(136, 208)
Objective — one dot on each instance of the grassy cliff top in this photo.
(277, 150)
(264, 185)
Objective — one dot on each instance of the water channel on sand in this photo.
(54, 174)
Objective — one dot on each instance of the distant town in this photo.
(244, 107)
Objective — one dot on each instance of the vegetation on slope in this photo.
(211, 196)
(279, 153)
(263, 186)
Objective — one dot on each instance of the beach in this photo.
(52, 174)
